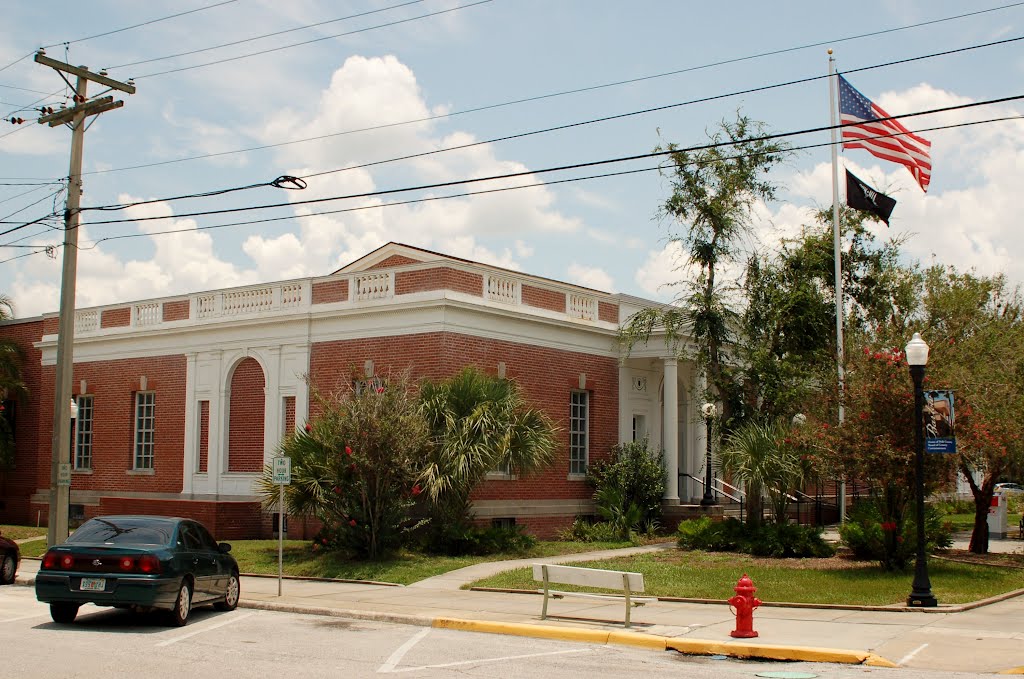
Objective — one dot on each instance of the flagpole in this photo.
(838, 263)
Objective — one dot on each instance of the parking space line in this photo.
(24, 617)
(222, 623)
(396, 657)
(909, 656)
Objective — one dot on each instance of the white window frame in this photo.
(144, 430)
(83, 432)
(579, 432)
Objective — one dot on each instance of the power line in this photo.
(465, 194)
(144, 23)
(308, 42)
(551, 95)
(561, 168)
(265, 35)
(580, 123)
(282, 182)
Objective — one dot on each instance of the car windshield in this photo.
(124, 531)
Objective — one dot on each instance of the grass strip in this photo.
(703, 575)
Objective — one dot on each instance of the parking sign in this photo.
(283, 470)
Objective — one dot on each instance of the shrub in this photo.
(582, 530)
(462, 539)
(355, 467)
(775, 540)
(866, 535)
(629, 487)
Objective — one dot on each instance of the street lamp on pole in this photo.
(917, 358)
(708, 410)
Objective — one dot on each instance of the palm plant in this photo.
(479, 424)
(758, 455)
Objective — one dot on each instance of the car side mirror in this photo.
(224, 547)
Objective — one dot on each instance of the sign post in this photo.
(282, 477)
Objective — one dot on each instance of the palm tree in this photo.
(479, 424)
(757, 454)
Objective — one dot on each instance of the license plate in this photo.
(93, 584)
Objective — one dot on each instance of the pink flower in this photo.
(309, 427)
(323, 540)
(337, 490)
(348, 451)
(380, 390)
(416, 490)
(352, 522)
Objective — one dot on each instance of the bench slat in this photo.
(589, 577)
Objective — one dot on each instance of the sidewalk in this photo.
(987, 638)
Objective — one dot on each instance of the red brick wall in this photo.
(113, 385)
(204, 435)
(245, 435)
(226, 520)
(440, 278)
(547, 376)
(289, 415)
(116, 318)
(393, 260)
(545, 299)
(326, 292)
(50, 325)
(32, 449)
(176, 311)
(608, 312)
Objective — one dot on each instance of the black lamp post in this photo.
(917, 358)
(708, 410)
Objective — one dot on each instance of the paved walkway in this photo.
(986, 638)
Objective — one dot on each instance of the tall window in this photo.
(83, 433)
(145, 423)
(579, 416)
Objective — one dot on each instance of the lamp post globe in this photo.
(709, 411)
(917, 358)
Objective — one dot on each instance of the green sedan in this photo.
(138, 562)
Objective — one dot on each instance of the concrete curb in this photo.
(374, 616)
(659, 643)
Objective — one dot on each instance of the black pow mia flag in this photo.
(860, 196)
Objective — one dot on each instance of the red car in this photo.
(9, 556)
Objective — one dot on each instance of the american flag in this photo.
(902, 147)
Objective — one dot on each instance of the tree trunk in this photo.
(979, 536)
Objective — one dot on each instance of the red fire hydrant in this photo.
(744, 602)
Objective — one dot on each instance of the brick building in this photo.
(181, 401)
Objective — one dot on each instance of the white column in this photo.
(272, 411)
(217, 436)
(190, 450)
(671, 428)
(625, 416)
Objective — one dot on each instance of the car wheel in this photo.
(6, 569)
(234, 590)
(182, 605)
(63, 612)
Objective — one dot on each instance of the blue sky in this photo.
(602, 233)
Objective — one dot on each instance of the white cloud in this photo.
(590, 277)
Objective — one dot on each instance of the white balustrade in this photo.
(582, 307)
(87, 321)
(503, 290)
(373, 286)
(291, 295)
(206, 306)
(251, 301)
(149, 313)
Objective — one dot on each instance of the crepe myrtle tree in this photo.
(356, 467)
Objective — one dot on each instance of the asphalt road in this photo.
(252, 643)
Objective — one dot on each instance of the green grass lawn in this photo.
(713, 575)
(965, 522)
(21, 532)
(260, 556)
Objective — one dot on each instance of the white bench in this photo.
(629, 583)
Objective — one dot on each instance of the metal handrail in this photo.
(720, 492)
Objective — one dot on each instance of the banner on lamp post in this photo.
(939, 430)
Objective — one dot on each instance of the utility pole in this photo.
(75, 117)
